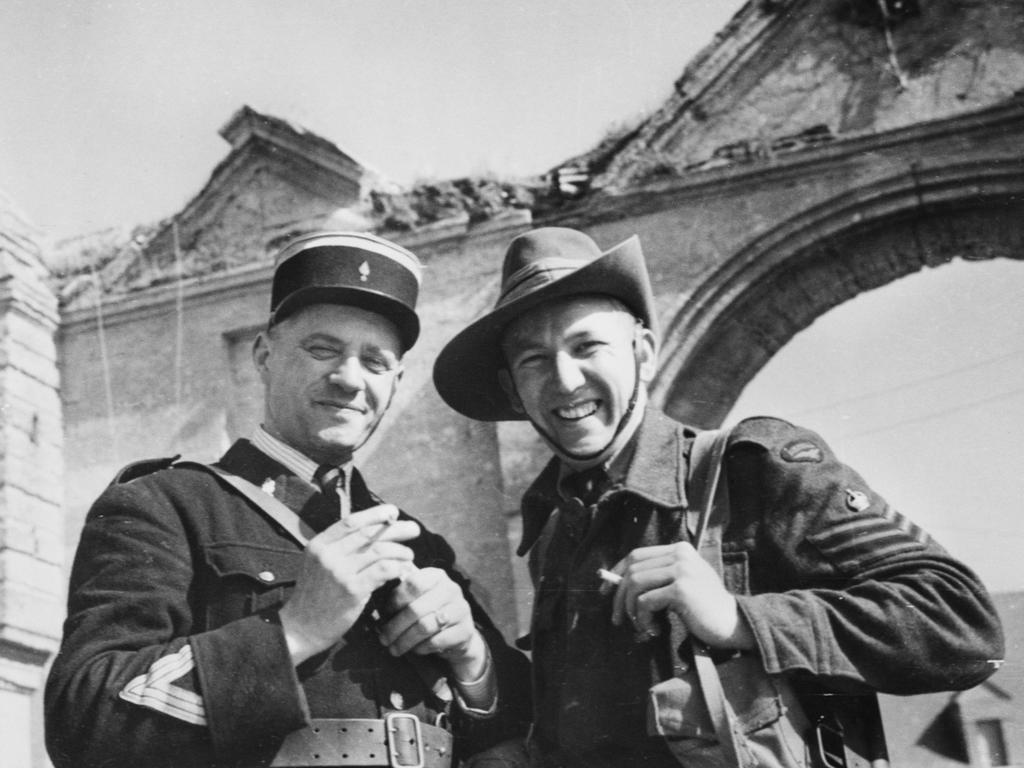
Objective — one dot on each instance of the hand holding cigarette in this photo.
(387, 523)
(611, 580)
(676, 578)
(342, 567)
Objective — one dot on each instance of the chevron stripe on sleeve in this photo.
(168, 687)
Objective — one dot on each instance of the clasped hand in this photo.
(428, 613)
(677, 578)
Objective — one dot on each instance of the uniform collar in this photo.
(289, 457)
(655, 471)
(279, 480)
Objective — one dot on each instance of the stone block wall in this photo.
(32, 578)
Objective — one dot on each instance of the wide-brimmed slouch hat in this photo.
(540, 266)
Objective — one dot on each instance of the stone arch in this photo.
(724, 331)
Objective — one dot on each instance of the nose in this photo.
(568, 375)
(348, 374)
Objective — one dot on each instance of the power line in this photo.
(108, 387)
(908, 384)
(941, 529)
(938, 414)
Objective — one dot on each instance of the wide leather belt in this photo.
(400, 740)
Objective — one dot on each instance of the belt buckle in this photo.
(403, 727)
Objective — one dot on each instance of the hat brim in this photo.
(404, 318)
(466, 370)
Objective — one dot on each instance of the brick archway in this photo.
(725, 331)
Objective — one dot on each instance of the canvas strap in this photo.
(263, 501)
(706, 520)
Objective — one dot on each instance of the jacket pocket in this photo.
(770, 723)
(246, 579)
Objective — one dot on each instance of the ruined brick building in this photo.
(813, 151)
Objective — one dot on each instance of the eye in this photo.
(321, 351)
(375, 363)
(588, 347)
(529, 360)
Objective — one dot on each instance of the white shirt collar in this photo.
(289, 457)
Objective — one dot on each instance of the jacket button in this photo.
(397, 700)
(266, 576)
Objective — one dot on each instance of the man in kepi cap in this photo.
(270, 609)
(822, 585)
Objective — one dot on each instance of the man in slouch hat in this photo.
(269, 609)
(816, 582)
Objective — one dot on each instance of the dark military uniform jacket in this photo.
(840, 590)
(173, 654)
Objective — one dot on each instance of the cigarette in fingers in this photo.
(608, 577)
(387, 523)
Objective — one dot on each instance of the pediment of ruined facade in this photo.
(278, 180)
(788, 75)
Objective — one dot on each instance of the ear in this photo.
(260, 353)
(647, 354)
(509, 388)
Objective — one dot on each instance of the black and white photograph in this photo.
(529, 384)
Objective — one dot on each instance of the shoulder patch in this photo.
(857, 501)
(803, 451)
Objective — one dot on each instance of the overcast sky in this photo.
(111, 109)
(110, 115)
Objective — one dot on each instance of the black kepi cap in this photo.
(352, 268)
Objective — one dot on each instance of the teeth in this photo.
(577, 411)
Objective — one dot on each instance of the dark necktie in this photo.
(584, 489)
(588, 485)
(331, 480)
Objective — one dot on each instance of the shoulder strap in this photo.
(708, 497)
(262, 500)
(142, 468)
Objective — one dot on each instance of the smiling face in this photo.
(572, 367)
(329, 372)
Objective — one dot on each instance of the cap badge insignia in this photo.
(857, 500)
(364, 271)
(802, 451)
